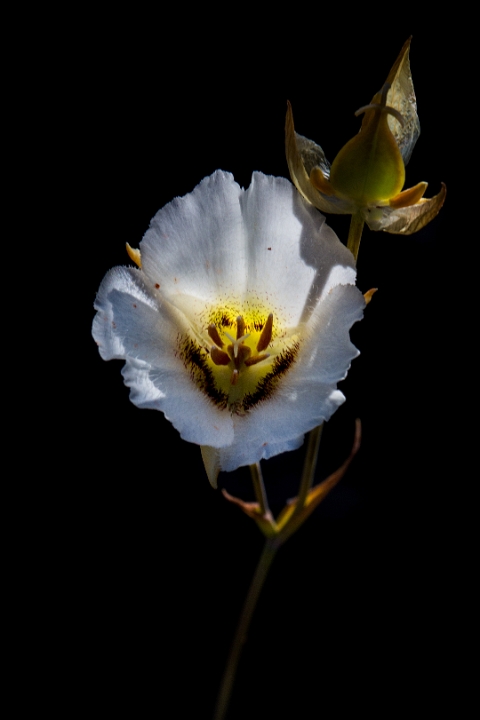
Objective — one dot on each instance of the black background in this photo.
(144, 567)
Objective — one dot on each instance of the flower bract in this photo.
(236, 324)
(367, 176)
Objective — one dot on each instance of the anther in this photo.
(218, 356)
(214, 334)
(234, 378)
(240, 327)
(266, 336)
(256, 359)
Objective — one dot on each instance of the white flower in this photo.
(236, 326)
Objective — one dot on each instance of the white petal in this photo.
(133, 324)
(220, 243)
(291, 249)
(195, 245)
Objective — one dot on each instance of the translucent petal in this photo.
(302, 156)
(407, 220)
(401, 97)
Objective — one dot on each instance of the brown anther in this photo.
(218, 356)
(266, 336)
(234, 378)
(256, 359)
(240, 327)
(214, 334)
(244, 353)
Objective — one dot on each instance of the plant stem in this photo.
(259, 487)
(355, 234)
(309, 465)
(258, 580)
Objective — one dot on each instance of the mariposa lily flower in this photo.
(367, 176)
(236, 323)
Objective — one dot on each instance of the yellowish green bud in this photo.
(369, 169)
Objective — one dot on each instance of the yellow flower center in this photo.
(242, 359)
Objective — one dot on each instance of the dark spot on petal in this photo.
(266, 386)
(157, 285)
(195, 361)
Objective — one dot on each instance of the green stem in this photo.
(309, 466)
(241, 633)
(355, 234)
(259, 487)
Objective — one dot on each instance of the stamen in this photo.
(218, 356)
(256, 359)
(214, 334)
(266, 336)
(244, 352)
(231, 349)
(240, 326)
